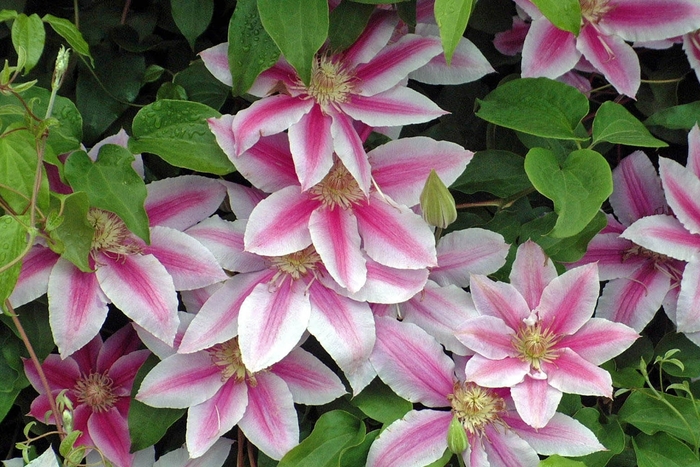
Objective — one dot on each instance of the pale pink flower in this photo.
(606, 25)
(536, 335)
(365, 83)
(141, 280)
(639, 279)
(98, 380)
(414, 365)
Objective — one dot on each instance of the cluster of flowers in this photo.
(329, 242)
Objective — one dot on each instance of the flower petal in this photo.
(499, 299)
(693, 163)
(504, 447)
(536, 401)
(572, 374)
(532, 271)
(216, 61)
(563, 435)
(638, 191)
(311, 146)
(389, 285)
(613, 254)
(548, 51)
(181, 202)
(110, 433)
(630, 19)
(268, 165)
(33, 278)
(688, 311)
(682, 189)
(221, 128)
(374, 38)
(506, 372)
(664, 234)
(488, 336)
(599, 340)
(308, 379)
(243, 199)
(348, 146)
(60, 373)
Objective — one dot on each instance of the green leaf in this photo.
(558, 461)
(192, 18)
(71, 34)
(201, 86)
(578, 186)
(7, 15)
(651, 416)
(610, 435)
(614, 124)
(452, 17)
(501, 173)
(347, 22)
(72, 238)
(251, 50)
(379, 402)
(689, 355)
(34, 318)
(147, 425)
(13, 240)
(565, 250)
(564, 14)
(377, 2)
(18, 163)
(12, 379)
(170, 90)
(679, 117)
(178, 132)
(663, 450)
(28, 34)
(333, 433)
(111, 184)
(298, 27)
(537, 106)
(357, 455)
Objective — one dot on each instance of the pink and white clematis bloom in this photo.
(678, 237)
(362, 84)
(536, 335)
(414, 365)
(639, 279)
(98, 380)
(221, 392)
(606, 25)
(141, 280)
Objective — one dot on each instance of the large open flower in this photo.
(98, 380)
(413, 364)
(363, 83)
(536, 335)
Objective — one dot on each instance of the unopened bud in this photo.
(457, 441)
(67, 420)
(59, 71)
(437, 203)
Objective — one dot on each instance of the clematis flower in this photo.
(361, 84)
(221, 392)
(214, 457)
(639, 279)
(605, 26)
(98, 380)
(678, 237)
(141, 280)
(536, 335)
(413, 364)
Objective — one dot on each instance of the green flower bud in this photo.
(62, 60)
(437, 203)
(457, 441)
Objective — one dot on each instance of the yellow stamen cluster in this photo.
(111, 234)
(338, 188)
(227, 356)
(331, 82)
(297, 264)
(536, 345)
(594, 10)
(476, 407)
(95, 390)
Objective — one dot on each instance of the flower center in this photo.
(662, 263)
(297, 264)
(593, 11)
(475, 407)
(96, 391)
(227, 356)
(338, 188)
(535, 345)
(331, 82)
(111, 234)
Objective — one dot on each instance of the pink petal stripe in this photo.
(412, 363)
(221, 128)
(60, 373)
(268, 116)
(308, 379)
(665, 235)
(510, 42)
(536, 401)
(121, 343)
(269, 80)
(77, 306)
(181, 202)
(187, 261)
(110, 433)
(499, 299)
(613, 57)
(243, 199)
(693, 163)
(682, 189)
(688, 311)
(208, 421)
(268, 165)
(125, 368)
(270, 420)
(373, 39)
(394, 235)
(394, 107)
(614, 257)
(271, 322)
(563, 435)
(216, 61)
(599, 340)
(630, 19)
(496, 373)
(395, 62)
(389, 285)
(572, 374)
(568, 301)
(311, 146)
(504, 447)
(34, 275)
(279, 224)
(401, 167)
(349, 149)
(532, 271)
(336, 239)
(691, 46)
(548, 51)
(420, 438)
(488, 336)
(638, 191)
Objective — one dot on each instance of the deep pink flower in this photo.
(414, 365)
(98, 380)
(536, 335)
